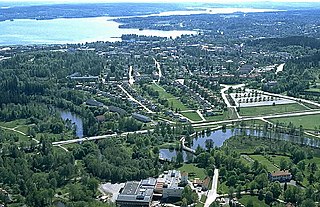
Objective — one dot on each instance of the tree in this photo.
(179, 159)
(275, 189)
(283, 164)
(269, 198)
(308, 203)
(250, 203)
(261, 195)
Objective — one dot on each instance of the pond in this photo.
(171, 154)
(218, 138)
(75, 119)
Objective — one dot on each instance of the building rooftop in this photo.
(280, 173)
(134, 192)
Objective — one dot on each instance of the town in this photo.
(228, 116)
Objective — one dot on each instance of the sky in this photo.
(169, 1)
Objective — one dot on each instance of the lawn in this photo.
(261, 159)
(175, 103)
(193, 116)
(193, 171)
(277, 158)
(308, 122)
(162, 92)
(256, 202)
(230, 114)
(267, 110)
(14, 123)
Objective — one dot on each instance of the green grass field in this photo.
(266, 110)
(193, 116)
(276, 159)
(308, 122)
(161, 91)
(256, 202)
(313, 90)
(193, 171)
(261, 159)
(12, 124)
(177, 104)
(173, 101)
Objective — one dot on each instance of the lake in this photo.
(75, 119)
(81, 30)
(76, 30)
(218, 138)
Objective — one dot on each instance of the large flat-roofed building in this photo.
(171, 180)
(137, 194)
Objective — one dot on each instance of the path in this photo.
(131, 79)
(212, 194)
(257, 118)
(20, 132)
(201, 116)
(135, 100)
(224, 96)
(157, 64)
(280, 68)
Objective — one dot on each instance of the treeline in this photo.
(303, 41)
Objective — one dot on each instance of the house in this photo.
(118, 110)
(206, 183)
(92, 102)
(245, 69)
(100, 118)
(184, 177)
(281, 176)
(141, 117)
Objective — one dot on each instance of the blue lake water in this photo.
(76, 30)
(218, 138)
(81, 30)
(76, 120)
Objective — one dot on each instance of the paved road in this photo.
(159, 69)
(225, 99)
(258, 118)
(135, 100)
(131, 79)
(212, 194)
(59, 143)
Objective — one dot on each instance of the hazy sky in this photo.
(178, 1)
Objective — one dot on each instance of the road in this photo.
(135, 100)
(280, 68)
(131, 79)
(257, 118)
(59, 143)
(159, 69)
(212, 194)
(225, 99)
